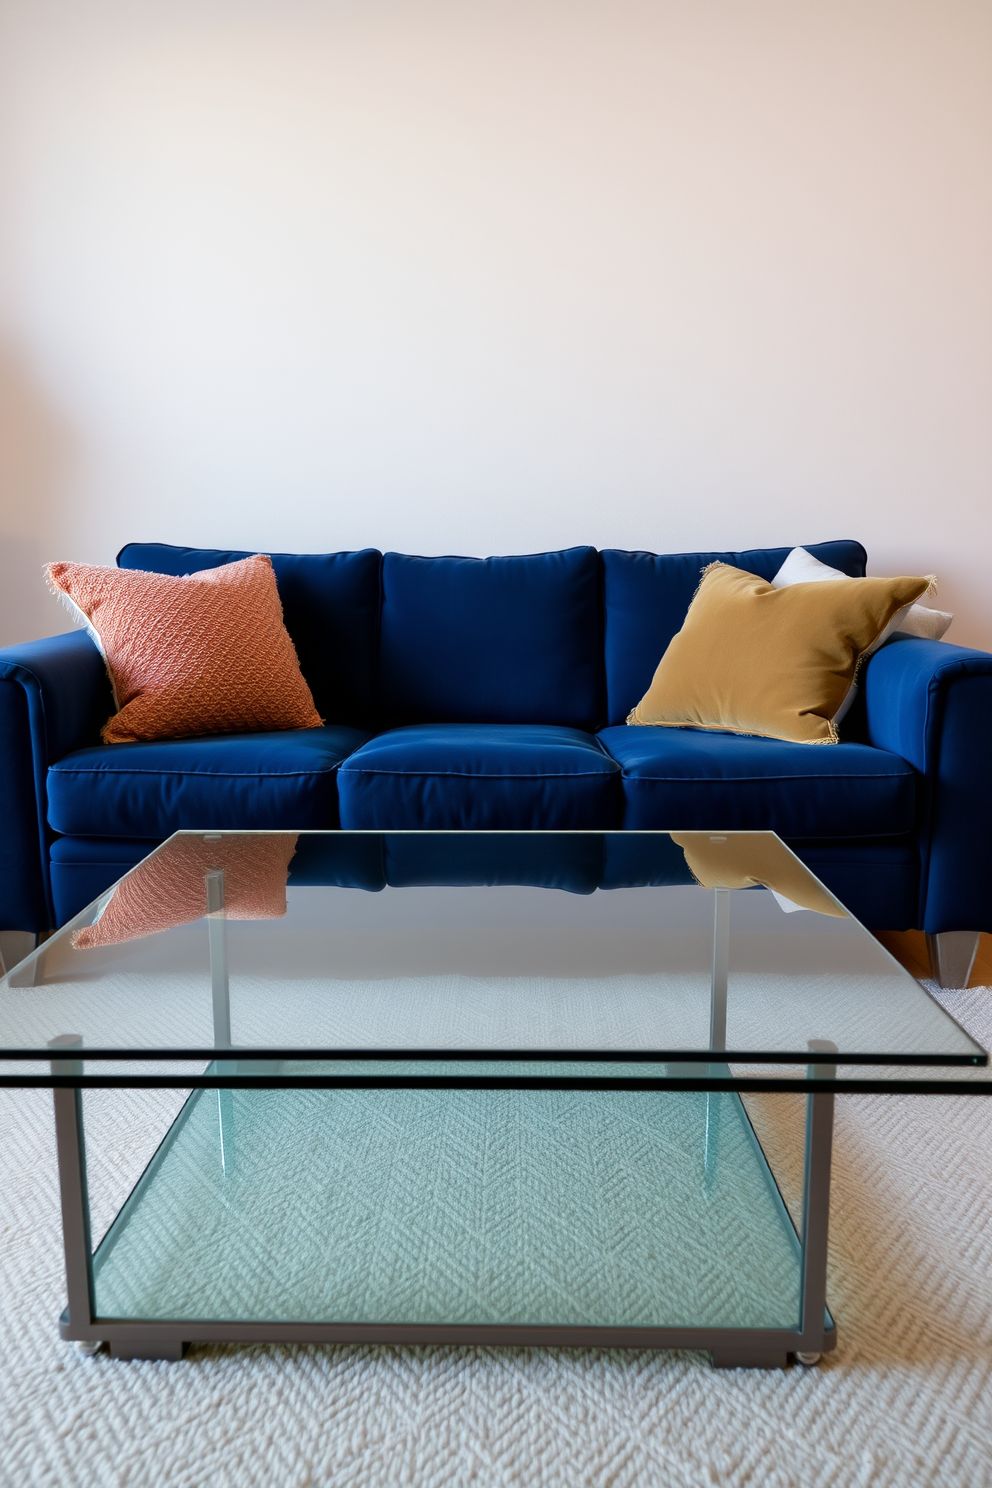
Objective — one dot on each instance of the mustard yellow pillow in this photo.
(753, 659)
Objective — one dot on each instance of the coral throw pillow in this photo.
(170, 888)
(203, 653)
(753, 659)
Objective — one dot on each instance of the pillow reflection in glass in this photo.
(745, 860)
(169, 888)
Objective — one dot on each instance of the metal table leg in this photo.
(816, 1207)
(718, 1013)
(812, 1340)
(220, 987)
(68, 1101)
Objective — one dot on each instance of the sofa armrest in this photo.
(931, 703)
(54, 696)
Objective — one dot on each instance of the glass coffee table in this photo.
(484, 1088)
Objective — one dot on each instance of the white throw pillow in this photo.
(800, 567)
(917, 620)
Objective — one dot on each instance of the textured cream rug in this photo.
(907, 1398)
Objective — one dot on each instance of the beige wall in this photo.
(494, 277)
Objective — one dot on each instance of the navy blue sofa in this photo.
(491, 693)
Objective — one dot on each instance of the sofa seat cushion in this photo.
(687, 779)
(479, 777)
(272, 781)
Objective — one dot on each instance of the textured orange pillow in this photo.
(203, 653)
(170, 888)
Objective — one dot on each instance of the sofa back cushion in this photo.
(330, 605)
(492, 640)
(647, 596)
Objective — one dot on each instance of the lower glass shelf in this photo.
(548, 1208)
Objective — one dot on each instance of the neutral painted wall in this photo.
(496, 276)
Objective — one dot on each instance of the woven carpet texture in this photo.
(907, 1398)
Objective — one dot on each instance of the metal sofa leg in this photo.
(952, 955)
(14, 946)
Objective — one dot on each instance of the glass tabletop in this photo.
(603, 960)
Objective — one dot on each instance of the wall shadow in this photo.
(36, 451)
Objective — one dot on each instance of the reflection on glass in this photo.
(745, 860)
(170, 888)
(545, 942)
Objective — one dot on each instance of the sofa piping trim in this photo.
(908, 774)
(485, 774)
(207, 774)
